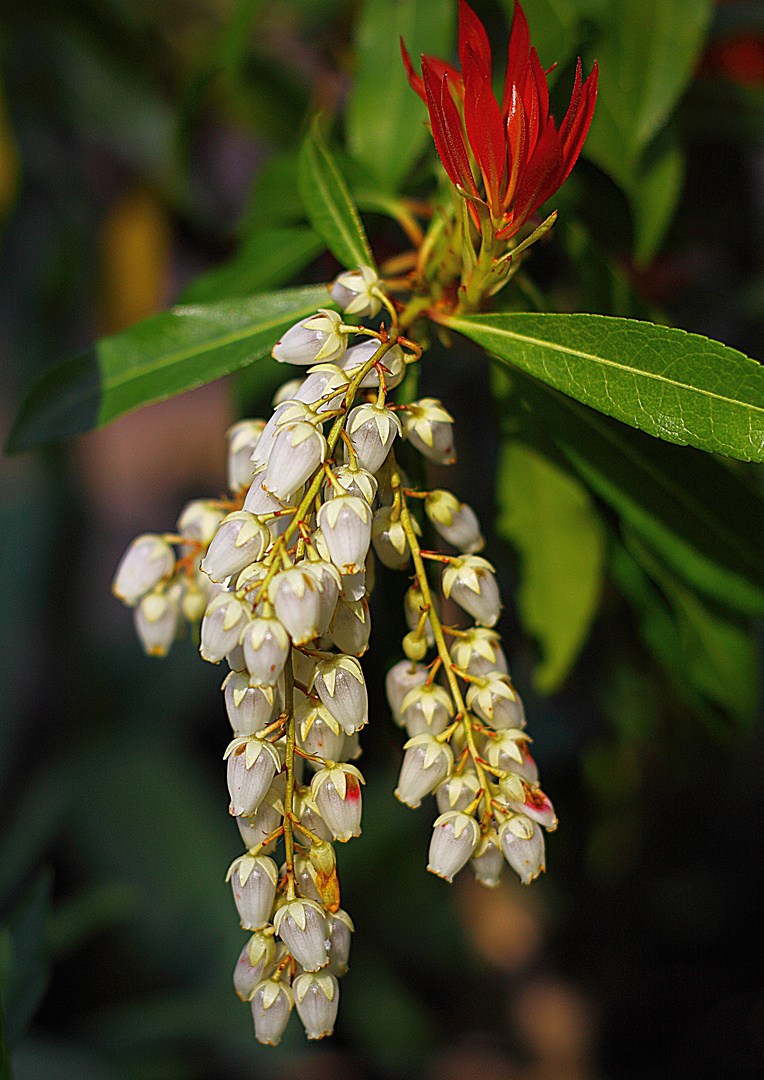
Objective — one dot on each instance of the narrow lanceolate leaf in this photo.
(165, 355)
(702, 518)
(328, 203)
(550, 519)
(678, 386)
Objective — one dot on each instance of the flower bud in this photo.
(297, 451)
(414, 645)
(414, 606)
(254, 878)
(249, 708)
(392, 363)
(286, 412)
(454, 521)
(454, 838)
(345, 522)
(258, 500)
(255, 961)
(457, 791)
(296, 597)
(372, 429)
(339, 682)
(355, 481)
(488, 861)
(389, 538)
(301, 925)
(506, 749)
(329, 584)
(156, 622)
(425, 763)
(199, 520)
(495, 700)
(426, 709)
(429, 428)
(319, 733)
(532, 802)
(351, 627)
(266, 819)
(196, 593)
(401, 678)
(314, 340)
(470, 582)
(357, 292)
(241, 539)
(522, 843)
(271, 1007)
(147, 561)
(340, 929)
(265, 644)
(222, 626)
(337, 793)
(242, 440)
(316, 998)
(478, 652)
(252, 764)
(321, 381)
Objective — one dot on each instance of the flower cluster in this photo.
(511, 157)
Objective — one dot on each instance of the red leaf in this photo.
(517, 55)
(472, 36)
(485, 129)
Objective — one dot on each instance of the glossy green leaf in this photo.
(559, 535)
(552, 24)
(681, 387)
(705, 521)
(647, 52)
(330, 208)
(164, 355)
(385, 118)
(267, 258)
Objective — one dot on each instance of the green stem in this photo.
(290, 777)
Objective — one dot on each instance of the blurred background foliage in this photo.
(148, 154)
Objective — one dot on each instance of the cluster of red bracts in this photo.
(521, 156)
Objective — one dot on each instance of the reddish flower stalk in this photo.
(515, 149)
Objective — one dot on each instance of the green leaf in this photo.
(5, 1061)
(654, 197)
(552, 24)
(705, 521)
(647, 54)
(267, 258)
(162, 356)
(550, 519)
(274, 198)
(385, 119)
(28, 974)
(331, 211)
(681, 387)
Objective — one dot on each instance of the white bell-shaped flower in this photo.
(455, 836)
(401, 678)
(254, 963)
(340, 931)
(147, 561)
(329, 583)
(357, 292)
(339, 682)
(199, 520)
(345, 524)
(318, 732)
(477, 651)
(222, 626)
(532, 802)
(356, 481)
(272, 1004)
(337, 794)
(457, 791)
(316, 339)
(296, 598)
(286, 412)
(266, 819)
(429, 428)
(297, 451)
(371, 429)
(392, 363)
(488, 860)
(265, 643)
(301, 925)
(470, 582)
(522, 843)
(454, 521)
(156, 622)
(252, 765)
(242, 440)
(427, 710)
(249, 708)
(253, 879)
(309, 815)
(316, 998)
(351, 628)
(241, 539)
(426, 763)
(326, 384)
(506, 749)
(354, 586)
(389, 538)
(496, 701)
